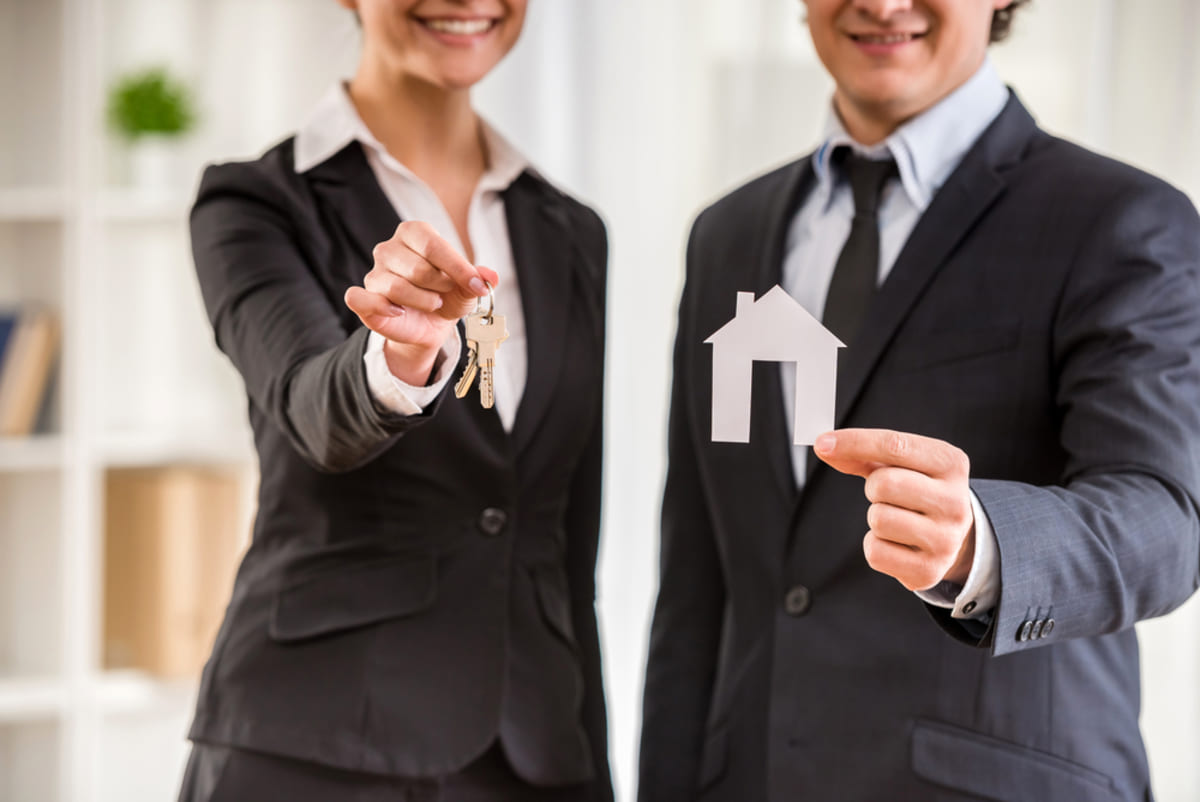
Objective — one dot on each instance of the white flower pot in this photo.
(154, 162)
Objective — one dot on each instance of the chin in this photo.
(893, 92)
(465, 79)
(456, 76)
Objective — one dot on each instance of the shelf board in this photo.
(29, 698)
(32, 204)
(143, 206)
(35, 453)
(138, 449)
(137, 692)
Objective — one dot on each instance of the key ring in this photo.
(491, 303)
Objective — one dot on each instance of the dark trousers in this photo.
(226, 774)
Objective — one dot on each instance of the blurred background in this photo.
(126, 471)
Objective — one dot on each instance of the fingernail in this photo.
(397, 310)
(477, 286)
(437, 303)
(825, 443)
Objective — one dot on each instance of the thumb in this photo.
(489, 275)
(462, 302)
(826, 449)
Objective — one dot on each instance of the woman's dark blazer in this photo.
(417, 586)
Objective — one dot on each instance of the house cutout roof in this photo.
(775, 328)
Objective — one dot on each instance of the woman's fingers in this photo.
(402, 292)
(421, 239)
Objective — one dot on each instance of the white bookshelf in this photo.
(139, 381)
(43, 452)
(24, 204)
(23, 699)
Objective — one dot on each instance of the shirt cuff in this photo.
(401, 397)
(977, 598)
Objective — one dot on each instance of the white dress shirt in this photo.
(927, 149)
(334, 124)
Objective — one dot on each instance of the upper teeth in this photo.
(888, 39)
(462, 27)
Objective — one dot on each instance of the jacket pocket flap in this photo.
(554, 599)
(354, 596)
(713, 757)
(1000, 770)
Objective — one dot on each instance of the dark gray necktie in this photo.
(857, 267)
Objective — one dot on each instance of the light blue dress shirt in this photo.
(927, 149)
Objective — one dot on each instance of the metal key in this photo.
(464, 382)
(486, 332)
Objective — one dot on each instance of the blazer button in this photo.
(1024, 631)
(492, 521)
(797, 601)
(1036, 632)
(1048, 628)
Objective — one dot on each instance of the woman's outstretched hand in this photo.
(417, 290)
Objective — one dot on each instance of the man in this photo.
(1018, 413)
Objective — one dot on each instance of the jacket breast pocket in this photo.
(999, 770)
(341, 598)
(952, 347)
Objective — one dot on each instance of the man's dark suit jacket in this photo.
(417, 587)
(1044, 316)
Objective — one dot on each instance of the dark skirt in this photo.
(226, 774)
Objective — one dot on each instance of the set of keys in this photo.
(484, 330)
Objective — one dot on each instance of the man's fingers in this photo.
(827, 450)
(859, 451)
(911, 568)
(907, 488)
(421, 239)
(904, 527)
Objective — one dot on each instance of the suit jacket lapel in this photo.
(545, 256)
(355, 200)
(971, 189)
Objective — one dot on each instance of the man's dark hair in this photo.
(1002, 20)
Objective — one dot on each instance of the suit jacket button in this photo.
(1024, 632)
(492, 521)
(1036, 632)
(797, 601)
(1048, 627)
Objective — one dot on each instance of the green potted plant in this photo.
(151, 111)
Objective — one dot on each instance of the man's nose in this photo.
(882, 9)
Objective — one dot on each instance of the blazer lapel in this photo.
(966, 195)
(355, 200)
(958, 205)
(545, 257)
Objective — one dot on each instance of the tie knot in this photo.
(867, 178)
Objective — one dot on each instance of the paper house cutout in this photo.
(775, 328)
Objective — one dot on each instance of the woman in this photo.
(415, 616)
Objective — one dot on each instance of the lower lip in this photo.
(883, 48)
(460, 39)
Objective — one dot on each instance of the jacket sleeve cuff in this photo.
(977, 598)
(400, 397)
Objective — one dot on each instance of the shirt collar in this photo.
(930, 146)
(334, 123)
